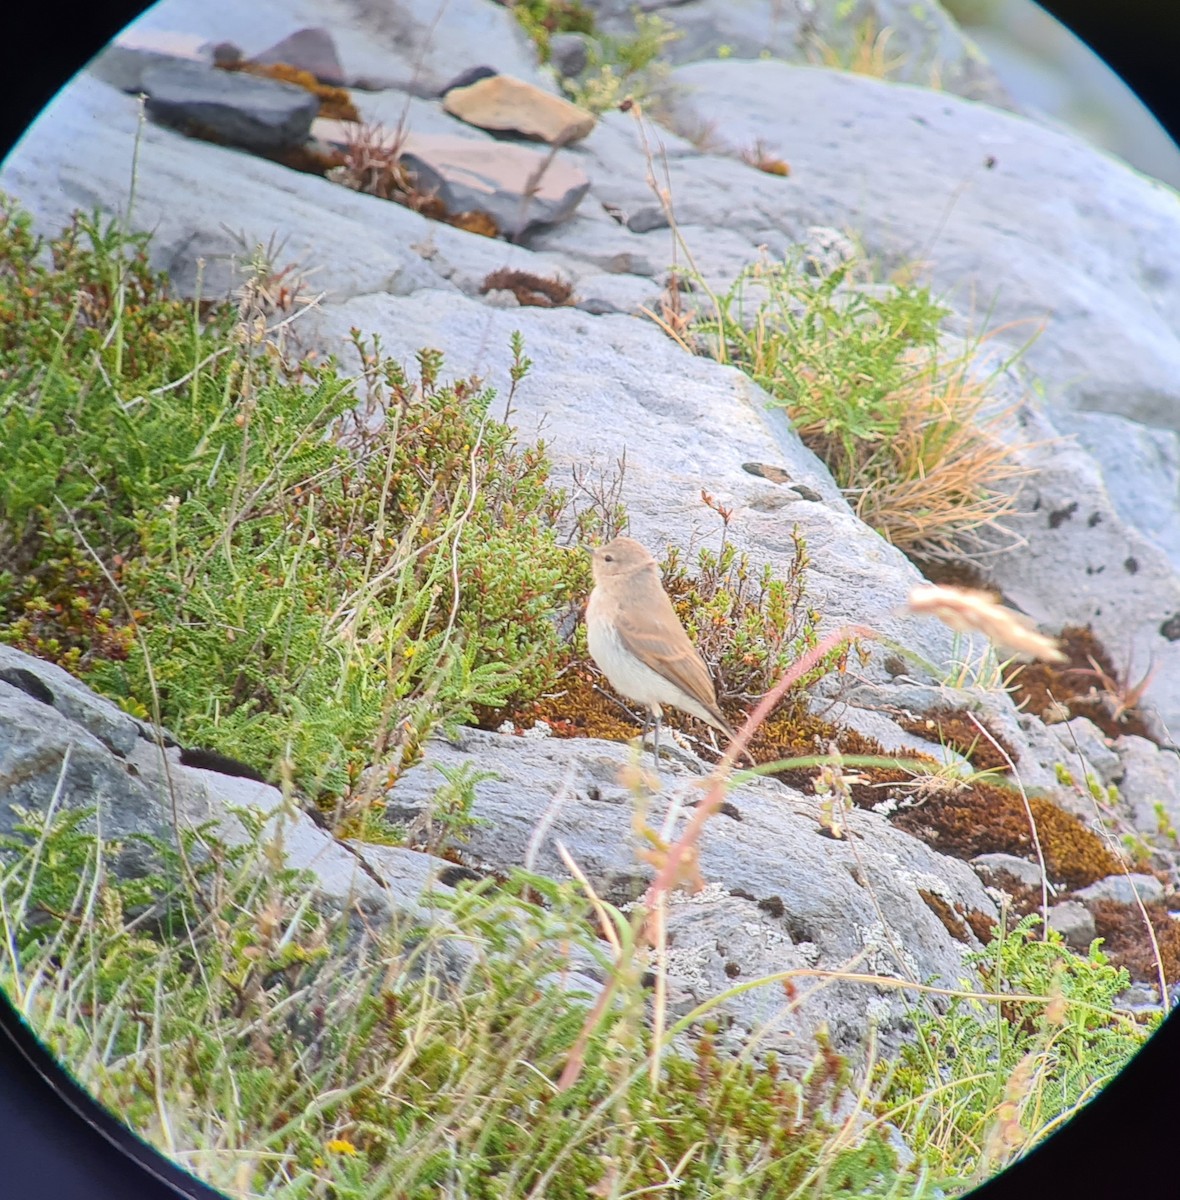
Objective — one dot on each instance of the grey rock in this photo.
(312, 49)
(1150, 787)
(1123, 889)
(123, 62)
(1081, 736)
(1139, 998)
(620, 156)
(601, 294)
(1074, 922)
(46, 760)
(605, 246)
(826, 249)
(205, 202)
(1060, 238)
(379, 44)
(196, 797)
(882, 728)
(1081, 564)
(569, 53)
(58, 689)
(468, 77)
(647, 218)
(1037, 751)
(50, 760)
(501, 298)
(778, 894)
(521, 189)
(1141, 469)
(231, 106)
(626, 388)
(1006, 871)
(395, 112)
(925, 46)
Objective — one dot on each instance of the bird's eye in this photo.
(608, 558)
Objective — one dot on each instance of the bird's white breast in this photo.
(628, 676)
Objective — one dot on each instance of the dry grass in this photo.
(867, 54)
(372, 163)
(939, 480)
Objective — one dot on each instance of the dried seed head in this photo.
(970, 611)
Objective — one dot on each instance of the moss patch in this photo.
(1127, 944)
(575, 709)
(956, 729)
(1075, 684)
(335, 103)
(534, 290)
(989, 819)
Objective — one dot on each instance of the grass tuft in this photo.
(911, 436)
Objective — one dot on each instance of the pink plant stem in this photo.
(680, 849)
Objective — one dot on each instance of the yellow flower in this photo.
(339, 1146)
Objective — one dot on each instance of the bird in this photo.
(638, 642)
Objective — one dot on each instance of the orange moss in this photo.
(577, 710)
(988, 819)
(957, 919)
(950, 919)
(1073, 683)
(980, 819)
(1127, 944)
(472, 221)
(955, 728)
(982, 925)
(529, 289)
(335, 103)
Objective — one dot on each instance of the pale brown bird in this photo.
(637, 639)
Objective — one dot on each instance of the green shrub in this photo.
(212, 534)
(983, 1083)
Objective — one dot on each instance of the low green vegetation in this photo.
(541, 19)
(226, 543)
(910, 434)
(984, 1083)
(428, 1055)
(617, 67)
(621, 68)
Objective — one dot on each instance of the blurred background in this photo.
(1052, 72)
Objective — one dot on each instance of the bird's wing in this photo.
(652, 632)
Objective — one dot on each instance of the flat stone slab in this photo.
(519, 188)
(502, 104)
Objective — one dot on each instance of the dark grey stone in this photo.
(243, 110)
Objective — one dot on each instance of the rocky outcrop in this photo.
(263, 115)
(1012, 220)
